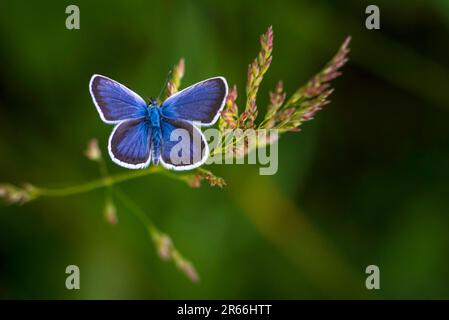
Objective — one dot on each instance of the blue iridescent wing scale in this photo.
(201, 102)
(130, 143)
(183, 145)
(114, 101)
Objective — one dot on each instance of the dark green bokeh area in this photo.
(366, 182)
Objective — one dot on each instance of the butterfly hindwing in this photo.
(201, 102)
(114, 101)
(130, 143)
(183, 145)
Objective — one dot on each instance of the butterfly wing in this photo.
(201, 102)
(183, 145)
(114, 101)
(130, 143)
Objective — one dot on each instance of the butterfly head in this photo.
(152, 102)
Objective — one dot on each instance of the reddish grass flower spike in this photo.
(256, 71)
(93, 151)
(167, 251)
(195, 180)
(277, 98)
(230, 113)
(110, 212)
(188, 269)
(16, 195)
(164, 245)
(309, 99)
(174, 82)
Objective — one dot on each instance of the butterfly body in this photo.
(154, 115)
(147, 133)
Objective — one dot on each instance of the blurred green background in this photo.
(366, 182)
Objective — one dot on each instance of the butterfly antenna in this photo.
(165, 85)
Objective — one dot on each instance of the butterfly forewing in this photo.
(201, 102)
(114, 101)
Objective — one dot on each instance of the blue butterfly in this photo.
(146, 132)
